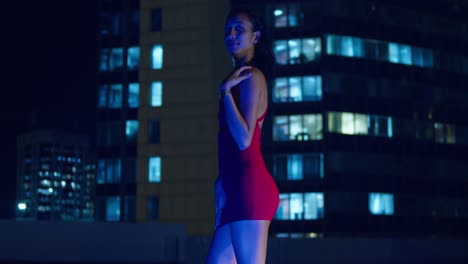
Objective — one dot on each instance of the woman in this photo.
(246, 195)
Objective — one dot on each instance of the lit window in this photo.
(154, 169)
(381, 203)
(133, 58)
(156, 94)
(297, 127)
(104, 60)
(131, 130)
(115, 96)
(297, 89)
(157, 57)
(300, 206)
(116, 59)
(113, 209)
(314, 206)
(298, 166)
(287, 15)
(133, 95)
(295, 51)
(102, 96)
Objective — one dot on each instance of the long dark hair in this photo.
(263, 56)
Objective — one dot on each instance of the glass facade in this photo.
(300, 206)
(297, 89)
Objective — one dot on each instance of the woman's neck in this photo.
(243, 60)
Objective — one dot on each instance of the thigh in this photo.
(249, 239)
(221, 250)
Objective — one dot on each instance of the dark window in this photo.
(153, 131)
(156, 19)
(152, 208)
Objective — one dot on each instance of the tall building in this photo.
(160, 66)
(55, 177)
(367, 131)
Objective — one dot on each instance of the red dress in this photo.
(251, 192)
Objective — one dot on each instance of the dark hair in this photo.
(263, 56)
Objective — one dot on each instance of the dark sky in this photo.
(49, 52)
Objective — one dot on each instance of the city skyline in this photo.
(50, 53)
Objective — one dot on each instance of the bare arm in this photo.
(242, 118)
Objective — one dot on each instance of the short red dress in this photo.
(251, 192)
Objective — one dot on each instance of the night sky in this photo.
(49, 51)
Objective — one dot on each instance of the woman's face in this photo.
(238, 34)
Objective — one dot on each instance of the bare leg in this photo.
(221, 250)
(249, 239)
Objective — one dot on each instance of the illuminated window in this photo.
(108, 171)
(295, 51)
(300, 206)
(115, 96)
(133, 58)
(131, 130)
(104, 60)
(288, 15)
(133, 95)
(102, 96)
(113, 209)
(116, 59)
(157, 57)
(156, 94)
(297, 89)
(298, 166)
(154, 169)
(381, 203)
(444, 133)
(297, 127)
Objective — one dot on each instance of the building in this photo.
(362, 135)
(55, 177)
(367, 133)
(160, 66)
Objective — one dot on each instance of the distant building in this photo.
(55, 178)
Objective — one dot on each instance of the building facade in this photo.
(160, 66)
(365, 133)
(55, 177)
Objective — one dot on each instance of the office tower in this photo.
(161, 63)
(55, 177)
(367, 131)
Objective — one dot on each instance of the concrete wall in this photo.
(82, 242)
(349, 250)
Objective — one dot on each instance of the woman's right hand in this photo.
(235, 78)
(220, 201)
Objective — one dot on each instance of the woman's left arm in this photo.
(242, 119)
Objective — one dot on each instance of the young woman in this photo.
(245, 193)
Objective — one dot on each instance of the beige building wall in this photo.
(194, 63)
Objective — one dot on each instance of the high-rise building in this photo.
(160, 66)
(55, 177)
(367, 131)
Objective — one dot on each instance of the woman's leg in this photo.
(221, 250)
(249, 239)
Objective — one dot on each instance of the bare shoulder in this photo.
(255, 82)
